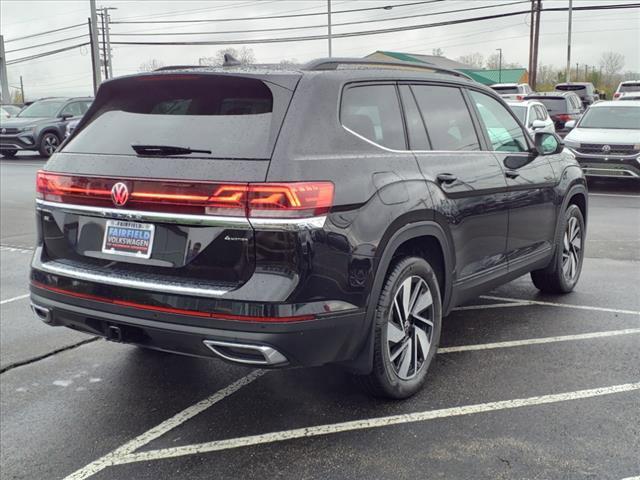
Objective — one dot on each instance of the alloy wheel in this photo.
(410, 327)
(51, 142)
(571, 250)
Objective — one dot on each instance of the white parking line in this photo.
(11, 248)
(363, 424)
(14, 299)
(612, 195)
(169, 424)
(492, 305)
(537, 341)
(562, 305)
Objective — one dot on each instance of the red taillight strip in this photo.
(177, 311)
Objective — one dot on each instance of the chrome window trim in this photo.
(288, 224)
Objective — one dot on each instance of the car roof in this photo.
(524, 103)
(624, 82)
(616, 103)
(505, 85)
(557, 93)
(584, 84)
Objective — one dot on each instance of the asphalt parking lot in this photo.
(525, 385)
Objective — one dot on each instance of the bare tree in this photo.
(611, 63)
(475, 60)
(150, 65)
(243, 54)
(289, 62)
(493, 62)
(438, 52)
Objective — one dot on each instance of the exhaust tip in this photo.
(42, 313)
(247, 354)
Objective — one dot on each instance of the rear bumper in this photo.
(326, 339)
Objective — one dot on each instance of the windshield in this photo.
(571, 88)
(223, 116)
(630, 87)
(503, 90)
(45, 108)
(612, 117)
(521, 112)
(554, 105)
(4, 113)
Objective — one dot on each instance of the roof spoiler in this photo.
(334, 63)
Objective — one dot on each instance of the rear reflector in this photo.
(177, 311)
(271, 200)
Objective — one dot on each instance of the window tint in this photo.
(373, 111)
(447, 118)
(415, 126)
(503, 131)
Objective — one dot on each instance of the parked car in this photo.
(12, 109)
(40, 126)
(225, 230)
(606, 140)
(512, 91)
(71, 126)
(585, 90)
(562, 106)
(630, 96)
(4, 113)
(627, 88)
(533, 115)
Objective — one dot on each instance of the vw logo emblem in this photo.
(4, 130)
(119, 194)
(606, 148)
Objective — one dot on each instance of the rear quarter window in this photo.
(373, 112)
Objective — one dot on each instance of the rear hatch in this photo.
(140, 189)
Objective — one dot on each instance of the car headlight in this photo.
(24, 129)
(571, 143)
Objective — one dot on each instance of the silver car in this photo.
(533, 115)
(606, 140)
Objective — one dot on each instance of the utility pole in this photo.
(103, 59)
(109, 56)
(568, 74)
(93, 58)
(4, 81)
(95, 53)
(536, 42)
(106, 41)
(329, 25)
(22, 89)
(500, 66)
(531, 27)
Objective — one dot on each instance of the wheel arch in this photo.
(419, 239)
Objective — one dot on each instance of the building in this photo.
(486, 77)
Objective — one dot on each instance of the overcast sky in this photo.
(69, 73)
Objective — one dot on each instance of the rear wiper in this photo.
(159, 150)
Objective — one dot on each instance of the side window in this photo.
(502, 129)
(373, 111)
(84, 106)
(446, 117)
(74, 109)
(540, 113)
(415, 126)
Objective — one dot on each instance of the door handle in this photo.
(446, 178)
(511, 174)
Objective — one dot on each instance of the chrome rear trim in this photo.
(269, 354)
(129, 281)
(288, 224)
(609, 172)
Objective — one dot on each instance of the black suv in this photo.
(40, 126)
(562, 107)
(328, 214)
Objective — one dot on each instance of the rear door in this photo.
(470, 188)
(530, 178)
(149, 212)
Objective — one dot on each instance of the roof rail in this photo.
(334, 63)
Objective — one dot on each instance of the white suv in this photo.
(512, 91)
(630, 88)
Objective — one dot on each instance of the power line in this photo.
(45, 33)
(385, 7)
(371, 32)
(45, 54)
(47, 43)
(279, 29)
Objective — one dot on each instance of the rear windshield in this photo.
(612, 117)
(571, 88)
(230, 117)
(506, 90)
(553, 104)
(630, 87)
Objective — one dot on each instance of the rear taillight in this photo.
(616, 95)
(563, 117)
(519, 97)
(275, 200)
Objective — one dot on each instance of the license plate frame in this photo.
(126, 242)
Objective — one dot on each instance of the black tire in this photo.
(386, 379)
(559, 276)
(48, 144)
(8, 153)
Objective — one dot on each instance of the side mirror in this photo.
(548, 143)
(537, 124)
(65, 116)
(570, 124)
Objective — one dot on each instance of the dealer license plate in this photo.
(128, 238)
